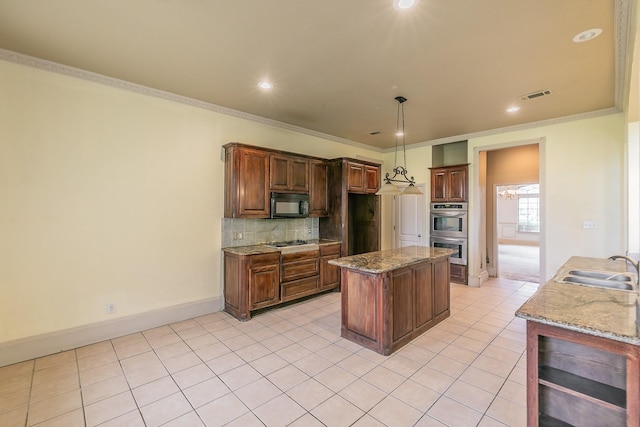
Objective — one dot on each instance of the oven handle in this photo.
(449, 215)
(448, 239)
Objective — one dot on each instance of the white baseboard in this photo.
(53, 342)
(477, 281)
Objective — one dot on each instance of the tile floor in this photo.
(286, 367)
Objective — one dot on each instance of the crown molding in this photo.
(42, 64)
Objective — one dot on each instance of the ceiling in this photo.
(337, 65)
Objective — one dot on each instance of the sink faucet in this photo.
(631, 261)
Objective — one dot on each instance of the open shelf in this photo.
(578, 386)
(545, 420)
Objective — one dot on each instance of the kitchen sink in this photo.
(618, 277)
(601, 279)
(609, 284)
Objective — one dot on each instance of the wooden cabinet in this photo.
(262, 280)
(385, 311)
(288, 173)
(459, 274)
(449, 184)
(329, 274)
(362, 178)
(318, 175)
(579, 379)
(250, 282)
(246, 194)
(353, 207)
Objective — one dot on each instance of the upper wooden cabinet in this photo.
(449, 184)
(288, 173)
(362, 178)
(318, 173)
(246, 194)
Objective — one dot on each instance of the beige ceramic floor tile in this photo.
(335, 378)
(193, 375)
(508, 412)
(394, 413)
(252, 352)
(312, 364)
(54, 372)
(269, 363)
(60, 385)
(130, 419)
(357, 365)
(307, 420)
(416, 395)
(185, 324)
(93, 349)
(109, 408)
(100, 374)
(310, 394)
(14, 400)
(337, 411)
(362, 394)
(257, 393)
(452, 413)
(164, 340)
(213, 351)
(172, 350)
(482, 379)
(201, 341)
(51, 408)
(55, 359)
(154, 391)
(97, 359)
(279, 411)
(165, 410)
(14, 418)
(469, 395)
(447, 366)
(182, 362)
(433, 379)
(222, 411)
(205, 392)
(70, 419)
(102, 390)
(287, 378)
(384, 378)
(134, 349)
(190, 419)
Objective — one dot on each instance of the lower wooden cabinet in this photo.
(257, 281)
(579, 379)
(385, 311)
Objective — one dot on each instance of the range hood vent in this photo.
(535, 95)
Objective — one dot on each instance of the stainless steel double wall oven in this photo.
(448, 229)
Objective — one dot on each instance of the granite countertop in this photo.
(606, 313)
(262, 248)
(391, 259)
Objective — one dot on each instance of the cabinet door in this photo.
(371, 179)
(278, 172)
(264, 286)
(299, 175)
(458, 185)
(423, 279)
(253, 194)
(355, 177)
(438, 185)
(402, 303)
(441, 286)
(318, 205)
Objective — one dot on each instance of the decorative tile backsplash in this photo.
(245, 232)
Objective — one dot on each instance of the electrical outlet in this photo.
(309, 230)
(589, 225)
(237, 236)
(111, 307)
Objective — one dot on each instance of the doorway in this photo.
(518, 231)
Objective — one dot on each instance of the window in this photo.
(529, 208)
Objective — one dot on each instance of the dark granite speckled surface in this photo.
(601, 312)
(263, 249)
(391, 259)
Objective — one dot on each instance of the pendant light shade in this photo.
(388, 188)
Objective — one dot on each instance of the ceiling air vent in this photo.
(375, 132)
(535, 95)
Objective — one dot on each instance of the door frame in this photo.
(396, 226)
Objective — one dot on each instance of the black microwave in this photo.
(286, 205)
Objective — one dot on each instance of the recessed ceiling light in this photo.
(587, 35)
(513, 109)
(404, 4)
(265, 85)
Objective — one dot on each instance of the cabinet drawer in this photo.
(264, 259)
(299, 269)
(299, 288)
(329, 249)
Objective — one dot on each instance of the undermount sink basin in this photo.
(618, 277)
(608, 284)
(624, 281)
(299, 248)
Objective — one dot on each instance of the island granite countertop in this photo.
(606, 313)
(391, 259)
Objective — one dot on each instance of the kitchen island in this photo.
(390, 297)
(583, 346)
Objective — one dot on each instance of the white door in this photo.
(409, 214)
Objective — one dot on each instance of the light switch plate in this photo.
(589, 225)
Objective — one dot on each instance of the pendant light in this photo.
(388, 188)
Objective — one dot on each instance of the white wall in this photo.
(582, 178)
(108, 195)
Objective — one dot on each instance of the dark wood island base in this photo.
(391, 297)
